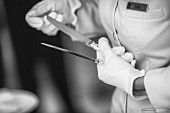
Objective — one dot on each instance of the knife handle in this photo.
(94, 46)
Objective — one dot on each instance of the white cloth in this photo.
(17, 101)
(146, 35)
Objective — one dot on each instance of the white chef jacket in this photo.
(145, 34)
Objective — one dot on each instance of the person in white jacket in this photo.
(141, 26)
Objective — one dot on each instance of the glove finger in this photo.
(133, 63)
(48, 30)
(53, 32)
(128, 57)
(56, 16)
(119, 50)
(105, 48)
(60, 18)
(47, 25)
(53, 15)
(41, 9)
(143, 72)
(34, 22)
(46, 22)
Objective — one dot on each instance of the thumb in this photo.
(35, 22)
(105, 48)
(119, 50)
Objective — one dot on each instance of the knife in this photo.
(97, 61)
(69, 31)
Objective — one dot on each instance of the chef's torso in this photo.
(144, 33)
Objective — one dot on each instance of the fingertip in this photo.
(60, 18)
(103, 39)
(133, 63)
(129, 56)
(31, 13)
(35, 22)
(143, 72)
(103, 43)
(53, 15)
(46, 22)
(119, 50)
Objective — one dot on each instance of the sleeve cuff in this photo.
(129, 87)
(157, 86)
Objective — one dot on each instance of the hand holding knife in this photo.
(69, 31)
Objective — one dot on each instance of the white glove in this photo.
(115, 70)
(127, 56)
(36, 17)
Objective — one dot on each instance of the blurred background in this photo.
(63, 83)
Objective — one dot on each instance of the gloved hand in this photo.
(36, 17)
(127, 56)
(115, 70)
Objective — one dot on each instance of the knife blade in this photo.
(69, 31)
(97, 61)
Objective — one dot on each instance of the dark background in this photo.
(26, 42)
(28, 51)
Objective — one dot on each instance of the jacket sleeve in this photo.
(86, 18)
(157, 84)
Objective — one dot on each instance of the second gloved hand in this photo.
(116, 71)
(36, 17)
